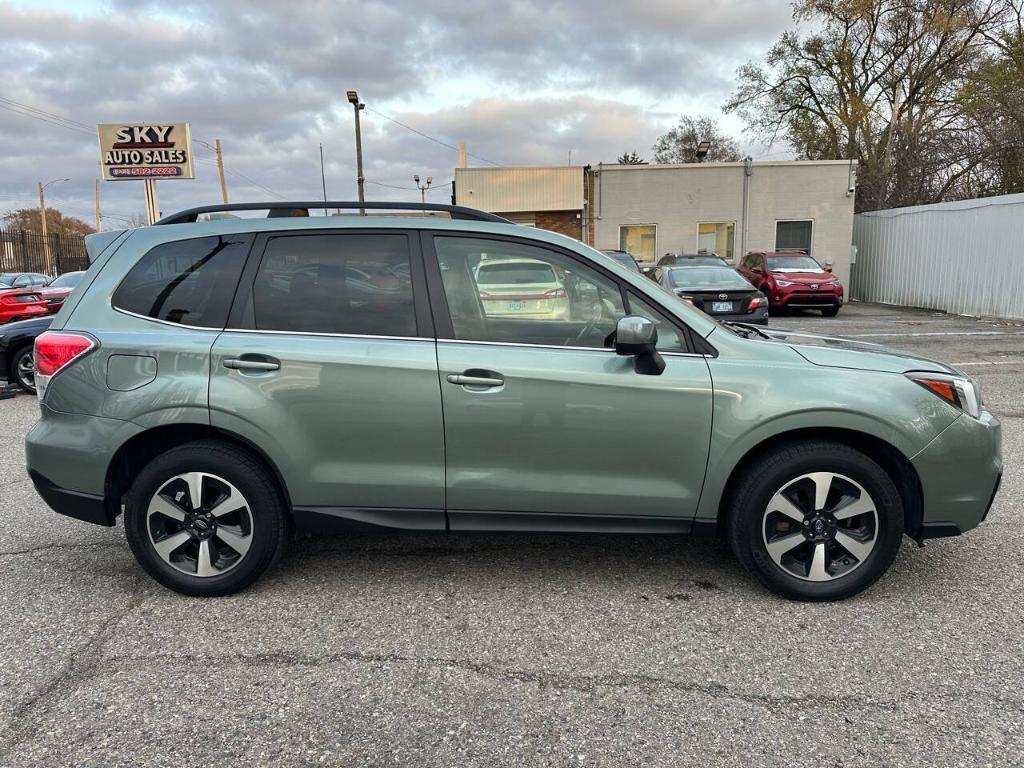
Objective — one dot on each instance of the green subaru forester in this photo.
(222, 382)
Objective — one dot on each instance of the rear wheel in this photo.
(816, 521)
(204, 519)
(23, 369)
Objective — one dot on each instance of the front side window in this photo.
(337, 283)
(793, 235)
(191, 282)
(670, 338)
(512, 292)
(716, 238)
(641, 240)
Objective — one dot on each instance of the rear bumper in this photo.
(757, 317)
(81, 506)
(24, 313)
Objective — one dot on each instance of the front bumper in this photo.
(960, 471)
(806, 298)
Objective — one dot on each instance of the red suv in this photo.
(794, 280)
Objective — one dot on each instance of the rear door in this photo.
(545, 426)
(328, 364)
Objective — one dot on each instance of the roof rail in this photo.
(457, 211)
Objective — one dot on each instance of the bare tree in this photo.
(679, 144)
(630, 158)
(879, 81)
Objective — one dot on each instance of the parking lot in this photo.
(484, 650)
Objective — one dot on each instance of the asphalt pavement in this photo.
(495, 650)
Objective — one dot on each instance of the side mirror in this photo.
(637, 336)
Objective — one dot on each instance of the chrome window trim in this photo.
(330, 335)
(524, 345)
(212, 329)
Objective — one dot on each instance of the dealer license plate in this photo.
(517, 306)
(721, 306)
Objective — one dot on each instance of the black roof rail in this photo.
(456, 211)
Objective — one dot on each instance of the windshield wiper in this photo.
(749, 329)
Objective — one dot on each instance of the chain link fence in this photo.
(24, 251)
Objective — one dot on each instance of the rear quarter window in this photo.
(191, 282)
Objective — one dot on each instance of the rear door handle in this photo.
(242, 364)
(465, 380)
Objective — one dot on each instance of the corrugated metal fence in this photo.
(23, 251)
(965, 257)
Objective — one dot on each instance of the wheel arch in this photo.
(899, 468)
(140, 449)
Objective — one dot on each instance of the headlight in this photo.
(956, 390)
(837, 283)
(783, 283)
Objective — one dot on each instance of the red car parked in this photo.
(60, 289)
(794, 280)
(20, 304)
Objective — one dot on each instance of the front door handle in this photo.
(243, 364)
(466, 380)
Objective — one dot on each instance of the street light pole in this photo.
(357, 107)
(42, 218)
(423, 188)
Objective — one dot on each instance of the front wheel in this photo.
(816, 521)
(205, 519)
(830, 312)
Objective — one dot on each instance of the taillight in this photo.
(54, 350)
(757, 301)
(555, 293)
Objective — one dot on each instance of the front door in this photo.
(328, 364)
(540, 415)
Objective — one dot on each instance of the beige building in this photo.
(649, 210)
(726, 208)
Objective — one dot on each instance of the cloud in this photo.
(522, 82)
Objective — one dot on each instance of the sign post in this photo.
(147, 151)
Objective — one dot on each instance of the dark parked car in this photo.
(60, 289)
(720, 292)
(625, 258)
(794, 280)
(16, 351)
(24, 280)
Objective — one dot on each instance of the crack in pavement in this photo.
(563, 681)
(45, 547)
(83, 665)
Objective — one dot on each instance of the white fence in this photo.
(965, 257)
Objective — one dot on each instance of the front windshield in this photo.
(68, 280)
(715, 278)
(797, 262)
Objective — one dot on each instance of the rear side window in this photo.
(191, 282)
(336, 283)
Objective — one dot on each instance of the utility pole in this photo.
(323, 178)
(357, 107)
(152, 206)
(423, 188)
(98, 217)
(220, 168)
(42, 218)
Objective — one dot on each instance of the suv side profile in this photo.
(222, 382)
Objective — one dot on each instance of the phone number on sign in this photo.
(166, 170)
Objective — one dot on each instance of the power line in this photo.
(429, 137)
(44, 119)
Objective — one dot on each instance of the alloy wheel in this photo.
(820, 526)
(25, 369)
(199, 524)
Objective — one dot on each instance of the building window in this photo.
(793, 235)
(640, 240)
(718, 238)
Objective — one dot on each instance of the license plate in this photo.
(516, 306)
(721, 306)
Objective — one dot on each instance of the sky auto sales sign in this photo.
(152, 151)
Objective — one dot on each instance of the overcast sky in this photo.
(521, 82)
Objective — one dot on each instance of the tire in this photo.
(22, 368)
(809, 560)
(241, 542)
(830, 312)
